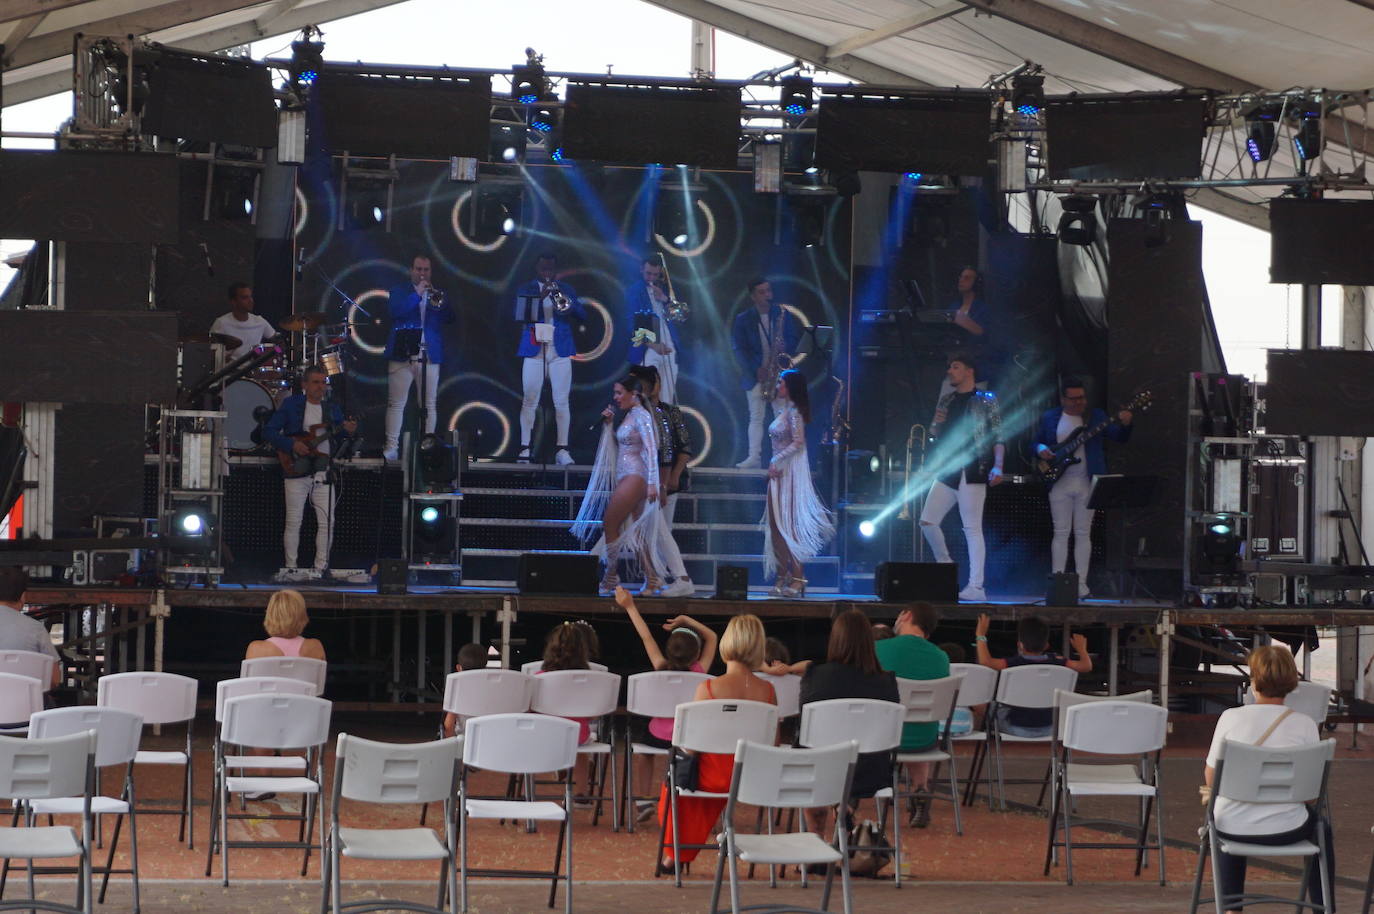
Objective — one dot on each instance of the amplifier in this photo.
(570, 574)
(907, 582)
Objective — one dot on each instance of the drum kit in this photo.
(251, 398)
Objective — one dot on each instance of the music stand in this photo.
(1115, 492)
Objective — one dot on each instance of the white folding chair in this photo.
(41, 769)
(1118, 727)
(874, 726)
(1310, 698)
(1028, 688)
(531, 667)
(519, 745)
(306, 669)
(1261, 774)
(1369, 885)
(774, 777)
(32, 664)
(160, 699)
(278, 721)
(929, 701)
(227, 689)
(387, 774)
(977, 686)
(21, 697)
(715, 726)
(586, 694)
(117, 734)
(787, 689)
(650, 695)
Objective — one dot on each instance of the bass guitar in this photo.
(1049, 469)
(313, 461)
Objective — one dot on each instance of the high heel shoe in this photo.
(609, 582)
(779, 589)
(653, 585)
(796, 587)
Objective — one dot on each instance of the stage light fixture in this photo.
(497, 211)
(767, 167)
(508, 142)
(676, 218)
(436, 464)
(434, 533)
(867, 529)
(307, 58)
(189, 530)
(527, 82)
(1261, 130)
(808, 220)
(865, 475)
(1220, 546)
(1028, 94)
(1307, 138)
(235, 189)
(429, 514)
(368, 206)
(1078, 224)
(797, 96)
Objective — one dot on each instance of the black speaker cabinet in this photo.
(392, 576)
(906, 582)
(732, 582)
(556, 573)
(1063, 589)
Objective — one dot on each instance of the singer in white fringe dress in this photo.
(796, 525)
(622, 499)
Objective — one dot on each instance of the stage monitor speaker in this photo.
(393, 576)
(564, 574)
(732, 583)
(906, 582)
(1062, 590)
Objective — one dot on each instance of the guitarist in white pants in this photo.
(303, 430)
(1068, 495)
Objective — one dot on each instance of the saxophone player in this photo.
(547, 308)
(763, 337)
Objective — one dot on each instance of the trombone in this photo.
(676, 311)
(911, 439)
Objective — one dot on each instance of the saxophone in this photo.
(777, 360)
(839, 425)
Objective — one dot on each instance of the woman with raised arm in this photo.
(796, 525)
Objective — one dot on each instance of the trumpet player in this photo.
(414, 348)
(764, 338)
(547, 306)
(650, 298)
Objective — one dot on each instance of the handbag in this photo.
(686, 773)
(869, 849)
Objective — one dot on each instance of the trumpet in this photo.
(676, 311)
(434, 297)
(560, 301)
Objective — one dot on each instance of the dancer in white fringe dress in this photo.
(623, 492)
(796, 525)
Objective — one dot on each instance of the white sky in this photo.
(638, 39)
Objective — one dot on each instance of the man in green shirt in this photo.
(911, 655)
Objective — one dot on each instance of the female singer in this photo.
(624, 487)
(796, 526)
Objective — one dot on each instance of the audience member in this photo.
(851, 670)
(1265, 723)
(284, 621)
(20, 632)
(742, 650)
(1032, 648)
(882, 631)
(911, 655)
(470, 657)
(565, 648)
(777, 660)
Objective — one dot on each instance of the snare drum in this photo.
(242, 400)
(332, 361)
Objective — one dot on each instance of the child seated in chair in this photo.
(1032, 648)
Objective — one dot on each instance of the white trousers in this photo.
(1069, 512)
(667, 373)
(321, 497)
(756, 401)
(970, 497)
(558, 369)
(667, 546)
(399, 378)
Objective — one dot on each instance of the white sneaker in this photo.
(972, 594)
(682, 587)
(391, 455)
(311, 574)
(749, 463)
(286, 575)
(563, 458)
(523, 456)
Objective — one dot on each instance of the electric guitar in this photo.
(313, 461)
(1049, 469)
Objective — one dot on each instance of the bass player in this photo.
(304, 430)
(1068, 494)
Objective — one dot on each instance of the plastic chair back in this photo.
(20, 697)
(159, 698)
(779, 776)
(227, 689)
(576, 693)
(520, 743)
(928, 701)
(1310, 698)
(471, 693)
(658, 693)
(46, 769)
(116, 732)
(1033, 686)
(534, 666)
(373, 772)
(1065, 700)
(1115, 727)
(979, 684)
(306, 669)
(28, 663)
(787, 689)
(718, 724)
(1260, 774)
(276, 721)
(874, 725)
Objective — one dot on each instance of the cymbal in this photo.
(232, 342)
(307, 320)
(194, 338)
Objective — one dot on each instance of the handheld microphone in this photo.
(209, 266)
(300, 262)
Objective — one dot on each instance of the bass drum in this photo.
(242, 400)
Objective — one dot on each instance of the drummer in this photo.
(241, 328)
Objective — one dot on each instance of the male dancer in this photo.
(546, 307)
(969, 448)
(649, 298)
(761, 334)
(418, 310)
